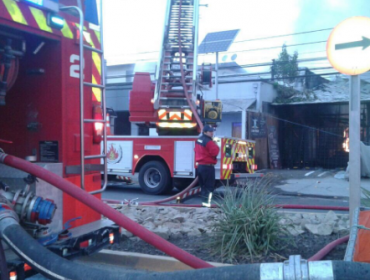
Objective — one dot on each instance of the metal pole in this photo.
(354, 147)
(244, 124)
(216, 81)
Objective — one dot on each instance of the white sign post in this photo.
(348, 52)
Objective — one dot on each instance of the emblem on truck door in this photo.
(114, 154)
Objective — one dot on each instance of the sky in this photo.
(133, 29)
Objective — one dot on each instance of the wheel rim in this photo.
(152, 178)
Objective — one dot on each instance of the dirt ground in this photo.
(305, 245)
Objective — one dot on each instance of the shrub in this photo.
(248, 224)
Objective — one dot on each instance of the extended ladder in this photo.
(180, 29)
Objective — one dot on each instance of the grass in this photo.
(248, 224)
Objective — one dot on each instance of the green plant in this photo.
(365, 201)
(285, 67)
(248, 224)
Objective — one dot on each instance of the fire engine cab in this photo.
(51, 114)
(172, 107)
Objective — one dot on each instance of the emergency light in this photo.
(98, 125)
(37, 2)
(55, 21)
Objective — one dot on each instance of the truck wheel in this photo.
(154, 178)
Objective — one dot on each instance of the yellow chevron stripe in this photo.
(14, 11)
(97, 61)
(97, 33)
(86, 35)
(227, 174)
(66, 31)
(40, 19)
(96, 91)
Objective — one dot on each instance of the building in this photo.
(314, 123)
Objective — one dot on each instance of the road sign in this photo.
(348, 46)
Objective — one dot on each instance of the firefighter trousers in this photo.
(206, 175)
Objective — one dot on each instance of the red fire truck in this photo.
(172, 106)
(51, 113)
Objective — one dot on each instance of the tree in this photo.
(285, 67)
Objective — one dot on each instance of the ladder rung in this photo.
(174, 84)
(94, 85)
(174, 106)
(95, 156)
(93, 49)
(94, 121)
(175, 98)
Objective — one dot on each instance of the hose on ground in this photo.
(100, 207)
(326, 250)
(55, 267)
(350, 270)
(192, 185)
(3, 265)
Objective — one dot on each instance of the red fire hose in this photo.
(105, 210)
(324, 251)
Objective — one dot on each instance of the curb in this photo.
(140, 261)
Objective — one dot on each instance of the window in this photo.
(236, 130)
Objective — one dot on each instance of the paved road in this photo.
(122, 191)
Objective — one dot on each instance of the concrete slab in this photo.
(327, 186)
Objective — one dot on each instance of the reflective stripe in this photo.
(14, 11)
(175, 115)
(96, 91)
(97, 34)
(40, 19)
(66, 31)
(97, 61)
(162, 114)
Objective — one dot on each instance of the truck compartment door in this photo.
(184, 159)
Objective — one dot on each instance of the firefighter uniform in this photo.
(206, 152)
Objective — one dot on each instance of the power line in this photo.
(240, 66)
(255, 39)
(270, 63)
(277, 47)
(284, 35)
(269, 73)
(269, 80)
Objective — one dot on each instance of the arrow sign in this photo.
(364, 43)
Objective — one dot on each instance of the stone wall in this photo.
(175, 221)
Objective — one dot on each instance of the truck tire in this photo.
(154, 178)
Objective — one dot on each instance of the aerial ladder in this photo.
(173, 102)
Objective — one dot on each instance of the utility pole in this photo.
(354, 146)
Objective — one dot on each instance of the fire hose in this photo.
(99, 206)
(55, 267)
(117, 217)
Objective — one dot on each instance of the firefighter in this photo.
(206, 152)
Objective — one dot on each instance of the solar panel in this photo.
(217, 41)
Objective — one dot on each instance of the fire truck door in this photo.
(119, 156)
(184, 159)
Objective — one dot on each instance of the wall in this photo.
(225, 127)
(117, 98)
(237, 90)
